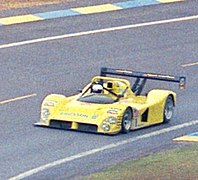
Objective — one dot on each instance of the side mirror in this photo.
(120, 96)
(80, 90)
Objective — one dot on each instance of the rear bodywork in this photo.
(103, 112)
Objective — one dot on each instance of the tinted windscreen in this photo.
(96, 98)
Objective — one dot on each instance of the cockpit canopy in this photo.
(106, 90)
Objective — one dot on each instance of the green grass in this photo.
(177, 164)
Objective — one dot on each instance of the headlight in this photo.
(111, 120)
(45, 114)
(105, 127)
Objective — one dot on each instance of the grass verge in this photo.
(180, 163)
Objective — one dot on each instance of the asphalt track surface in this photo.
(29, 72)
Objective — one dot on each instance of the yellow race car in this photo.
(110, 105)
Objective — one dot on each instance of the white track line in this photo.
(98, 31)
(17, 98)
(190, 64)
(97, 150)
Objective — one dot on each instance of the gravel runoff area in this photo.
(13, 4)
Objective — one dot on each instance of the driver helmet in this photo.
(97, 88)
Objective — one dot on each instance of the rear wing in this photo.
(153, 76)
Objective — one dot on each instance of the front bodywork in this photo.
(80, 115)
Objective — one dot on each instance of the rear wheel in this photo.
(126, 121)
(168, 109)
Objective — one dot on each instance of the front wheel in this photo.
(168, 109)
(126, 121)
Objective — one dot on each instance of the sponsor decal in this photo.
(159, 75)
(182, 83)
(113, 111)
(125, 101)
(135, 113)
(49, 103)
(95, 116)
(135, 123)
(85, 104)
(74, 114)
(124, 71)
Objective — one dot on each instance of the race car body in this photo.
(110, 105)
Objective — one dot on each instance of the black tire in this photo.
(168, 109)
(126, 121)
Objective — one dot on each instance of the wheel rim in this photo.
(169, 109)
(127, 120)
